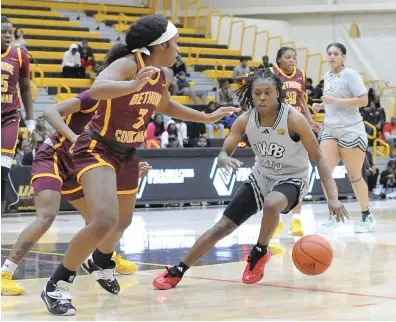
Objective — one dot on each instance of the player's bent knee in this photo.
(271, 208)
(223, 229)
(103, 223)
(45, 219)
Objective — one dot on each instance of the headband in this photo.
(171, 31)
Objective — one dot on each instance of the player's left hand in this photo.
(144, 169)
(329, 100)
(338, 209)
(222, 112)
(317, 127)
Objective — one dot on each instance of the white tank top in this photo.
(278, 157)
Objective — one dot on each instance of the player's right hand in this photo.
(143, 77)
(316, 107)
(338, 209)
(229, 163)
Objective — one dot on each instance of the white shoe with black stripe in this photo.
(57, 298)
(105, 277)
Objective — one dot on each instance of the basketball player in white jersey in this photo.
(280, 137)
(344, 135)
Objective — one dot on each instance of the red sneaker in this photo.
(166, 281)
(255, 275)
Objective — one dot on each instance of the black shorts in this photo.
(243, 205)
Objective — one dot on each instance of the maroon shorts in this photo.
(89, 153)
(54, 170)
(9, 132)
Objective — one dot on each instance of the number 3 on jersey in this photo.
(140, 121)
(291, 98)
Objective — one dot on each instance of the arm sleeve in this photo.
(356, 84)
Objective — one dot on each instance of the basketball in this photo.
(312, 255)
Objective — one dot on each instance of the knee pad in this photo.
(4, 180)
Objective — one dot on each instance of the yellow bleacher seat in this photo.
(57, 55)
(65, 43)
(49, 68)
(70, 82)
(33, 13)
(60, 33)
(220, 62)
(220, 73)
(44, 22)
(187, 99)
(75, 6)
(209, 51)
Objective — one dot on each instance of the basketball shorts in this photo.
(54, 170)
(353, 136)
(89, 154)
(9, 133)
(249, 198)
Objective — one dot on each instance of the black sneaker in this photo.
(57, 297)
(105, 277)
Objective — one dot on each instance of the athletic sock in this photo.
(257, 252)
(101, 259)
(365, 214)
(62, 274)
(9, 266)
(178, 270)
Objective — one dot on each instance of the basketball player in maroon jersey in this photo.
(52, 175)
(294, 84)
(14, 74)
(105, 154)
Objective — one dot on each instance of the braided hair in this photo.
(244, 93)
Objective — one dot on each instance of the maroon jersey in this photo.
(124, 119)
(293, 87)
(14, 65)
(77, 121)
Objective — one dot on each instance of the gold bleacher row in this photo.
(44, 22)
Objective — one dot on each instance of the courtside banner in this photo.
(179, 176)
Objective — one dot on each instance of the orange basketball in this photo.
(312, 255)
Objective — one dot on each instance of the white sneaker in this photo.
(367, 225)
(330, 225)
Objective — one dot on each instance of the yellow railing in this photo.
(381, 148)
(191, 59)
(33, 71)
(232, 27)
(216, 63)
(189, 3)
(269, 40)
(320, 64)
(255, 40)
(34, 91)
(196, 24)
(291, 44)
(209, 21)
(373, 134)
(306, 49)
(219, 24)
(254, 27)
(61, 96)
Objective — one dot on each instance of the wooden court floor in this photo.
(359, 285)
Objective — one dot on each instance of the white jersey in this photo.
(278, 157)
(345, 84)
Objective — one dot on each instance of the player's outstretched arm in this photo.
(225, 159)
(298, 124)
(26, 92)
(182, 112)
(53, 116)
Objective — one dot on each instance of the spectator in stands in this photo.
(21, 151)
(19, 41)
(319, 90)
(309, 88)
(155, 130)
(28, 157)
(184, 88)
(40, 133)
(241, 71)
(87, 57)
(371, 172)
(180, 66)
(202, 142)
(182, 130)
(171, 138)
(71, 63)
(266, 63)
(389, 131)
(214, 126)
(225, 95)
(388, 176)
(375, 115)
(194, 131)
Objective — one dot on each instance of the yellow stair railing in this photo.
(380, 147)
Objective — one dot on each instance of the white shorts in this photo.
(353, 136)
(262, 186)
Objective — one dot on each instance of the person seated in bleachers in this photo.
(40, 133)
(155, 130)
(375, 115)
(241, 71)
(214, 126)
(309, 88)
(224, 94)
(319, 90)
(180, 66)
(266, 63)
(71, 63)
(171, 138)
(184, 88)
(182, 130)
(87, 57)
(388, 176)
(389, 134)
(194, 132)
(28, 157)
(19, 41)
